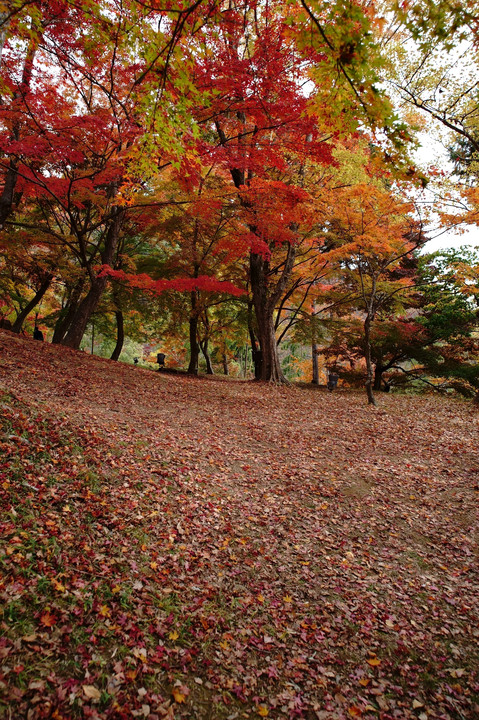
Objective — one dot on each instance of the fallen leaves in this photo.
(178, 696)
(241, 552)
(48, 619)
(91, 692)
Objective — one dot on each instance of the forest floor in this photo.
(175, 547)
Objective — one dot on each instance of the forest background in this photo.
(232, 185)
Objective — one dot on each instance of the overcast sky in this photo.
(433, 152)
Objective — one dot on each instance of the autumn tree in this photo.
(77, 138)
(265, 130)
(371, 233)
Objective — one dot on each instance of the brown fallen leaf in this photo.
(91, 692)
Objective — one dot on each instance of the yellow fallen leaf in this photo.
(263, 711)
(173, 635)
(153, 565)
(374, 662)
(417, 704)
(179, 697)
(58, 586)
(105, 611)
(288, 599)
(260, 599)
(364, 682)
(224, 645)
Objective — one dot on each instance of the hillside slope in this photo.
(176, 547)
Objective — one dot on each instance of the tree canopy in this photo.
(219, 170)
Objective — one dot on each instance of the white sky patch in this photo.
(433, 153)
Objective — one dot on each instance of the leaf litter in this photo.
(175, 547)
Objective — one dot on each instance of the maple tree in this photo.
(77, 138)
(371, 233)
(265, 134)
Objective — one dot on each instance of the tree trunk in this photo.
(270, 365)
(255, 351)
(194, 347)
(8, 197)
(83, 313)
(21, 317)
(204, 350)
(270, 368)
(90, 302)
(314, 356)
(120, 335)
(225, 363)
(378, 376)
(67, 313)
(369, 364)
(204, 343)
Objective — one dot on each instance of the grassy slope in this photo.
(183, 548)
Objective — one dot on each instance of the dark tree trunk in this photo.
(314, 356)
(255, 351)
(369, 364)
(194, 347)
(270, 368)
(378, 376)
(9, 198)
(67, 313)
(89, 304)
(225, 363)
(83, 313)
(206, 355)
(120, 335)
(205, 342)
(270, 365)
(21, 317)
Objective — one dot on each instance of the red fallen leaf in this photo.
(48, 619)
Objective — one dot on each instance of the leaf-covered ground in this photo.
(189, 548)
